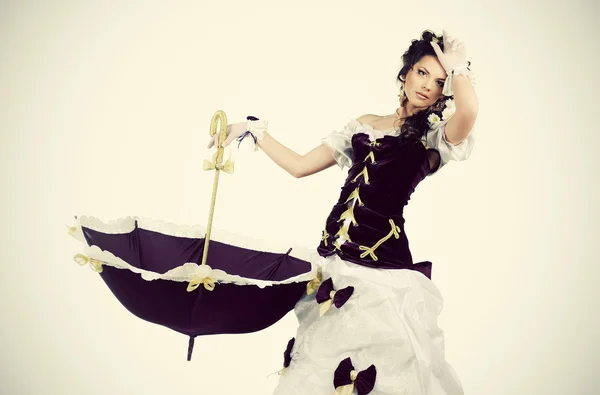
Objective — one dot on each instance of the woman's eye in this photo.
(421, 72)
(441, 84)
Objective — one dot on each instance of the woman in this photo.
(372, 323)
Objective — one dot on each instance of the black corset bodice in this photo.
(366, 225)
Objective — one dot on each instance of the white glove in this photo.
(253, 128)
(453, 60)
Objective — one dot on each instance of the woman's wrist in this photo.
(255, 130)
(265, 136)
(460, 70)
(257, 127)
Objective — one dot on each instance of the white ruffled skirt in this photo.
(389, 321)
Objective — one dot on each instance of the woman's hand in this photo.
(234, 131)
(454, 54)
(320, 158)
(454, 61)
(253, 128)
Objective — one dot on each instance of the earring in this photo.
(401, 93)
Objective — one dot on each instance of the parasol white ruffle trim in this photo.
(189, 271)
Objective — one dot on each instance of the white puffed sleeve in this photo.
(341, 143)
(436, 138)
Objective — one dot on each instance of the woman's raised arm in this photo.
(319, 158)
(314, 161)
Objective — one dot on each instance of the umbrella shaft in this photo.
(210, 216)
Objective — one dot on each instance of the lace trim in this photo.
(341, 141)
(354, 126)
(188, 272)
(127, 225)
(436, 138)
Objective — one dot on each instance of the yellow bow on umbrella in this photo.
(208, 282)
(227, 167)
(83, 260)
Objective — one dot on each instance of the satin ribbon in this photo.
(83, 260)
(345, 379)
(208, 283)
(337, 245)
(324, 237)
(314, 284)
(349, 213)
(250, 133)
(287, 358)
(371, 250)
(227, 167)
(243, 136)
(287, 355)
(327, 296)
(354, 195)
(343, 232)
(365, 175)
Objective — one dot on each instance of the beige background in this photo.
(104, 111)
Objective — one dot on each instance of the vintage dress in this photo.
(372, 323)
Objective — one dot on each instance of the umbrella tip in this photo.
(190, 347)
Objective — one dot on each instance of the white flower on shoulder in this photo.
(449, 110)
(433, 119)
(447, 113)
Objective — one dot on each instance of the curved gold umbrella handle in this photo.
(219, 118)
(217, 165)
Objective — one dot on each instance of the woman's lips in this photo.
(422, 96)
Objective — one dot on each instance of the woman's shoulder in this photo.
(359, 124)
(386, 124)
(367, 118)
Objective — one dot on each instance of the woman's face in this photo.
(426, 78)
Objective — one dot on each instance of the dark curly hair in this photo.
(416, 125)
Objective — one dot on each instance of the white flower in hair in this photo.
(433, 119)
